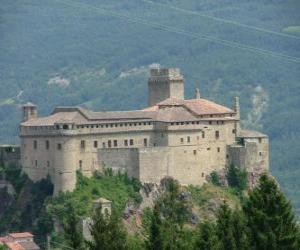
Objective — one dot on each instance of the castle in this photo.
(184, 139)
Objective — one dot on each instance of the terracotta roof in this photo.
(168, 110)
(21, 235)
(29, 245)
(251, 134)
(198, 106)
(14, 246)
(205, 107)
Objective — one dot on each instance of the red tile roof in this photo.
(21, 235)
(168, 110)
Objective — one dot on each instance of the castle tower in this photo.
(29, 111)
(236, 108)
(165, 83)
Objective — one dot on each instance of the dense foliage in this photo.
(53, 53)
(107, 232)
(116, 188)
(27, 211)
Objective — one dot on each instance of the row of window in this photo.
(188, 139)
(114, 143)
(111, 125)
(109, 144)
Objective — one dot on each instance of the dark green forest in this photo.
(62, 52)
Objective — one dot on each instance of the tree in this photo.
(107, 232)
(72, 232)
(207, 239)
(237, 177)
(2, 247)
(224, 228)
(214, 178)
(270, 217)
(170, 213)
(155, 240)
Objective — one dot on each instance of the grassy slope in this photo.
(42, 40)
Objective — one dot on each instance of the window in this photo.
(218, 149)
(208, 149)
(259, 140)
(59, 146)
(233, 131)
(195, 152)
(145, 142)
(36, 163)
(260, 153)
(115, 143)
(162, 135)
(80, 165)
(202, 174)
(35, 144)
(65, 126)
(47, 144)
(131, 142)
(210, 122)
(82, 144)
(48, 164)
(103, 145)
(188, 139)
(227, 156)
(125, 143)
(95, 144)
(217, 134)
(203, 134)
(181, 140)
(109, 143)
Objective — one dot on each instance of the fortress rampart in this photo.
(185, 139)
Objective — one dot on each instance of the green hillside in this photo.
(56, 52)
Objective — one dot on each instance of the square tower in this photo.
(165, 83)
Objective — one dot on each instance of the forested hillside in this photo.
(97, 54)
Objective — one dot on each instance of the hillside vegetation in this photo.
(56, 52)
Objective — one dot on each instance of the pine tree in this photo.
(72, 232)
(155, 240)
(107, 232)
(270, 218)
(240, 230)
(207, 239)
(225, 229)
(237, 177)
(172, 212)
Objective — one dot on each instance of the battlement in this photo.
(169, 73)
